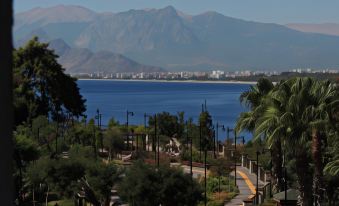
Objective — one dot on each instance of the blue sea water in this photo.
(113, 98)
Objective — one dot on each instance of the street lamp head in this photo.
(229, 129)
(223, 128)
(98, 111)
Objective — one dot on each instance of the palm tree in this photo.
(255, 99)
(325, 101)
(299, 110)
(282, 121)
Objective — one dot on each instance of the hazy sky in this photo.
(277, 11)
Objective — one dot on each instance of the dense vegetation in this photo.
(62, 157)
(297, 119)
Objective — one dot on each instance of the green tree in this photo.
(36, 179)
(113, 139)
(40, 85)
(220, 167)
(64, 175)
(255, 99)
(282, 121)
(144, 185)
(140, 186)
(113, 123)
(167, 124)
(205, 120)
(299, 111)
(101, 178)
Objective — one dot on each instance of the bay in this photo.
(114, 97)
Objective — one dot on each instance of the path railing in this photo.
(265, 190)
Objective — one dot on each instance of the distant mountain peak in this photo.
(171, 39)
(169, 10)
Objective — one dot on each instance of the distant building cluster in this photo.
(309, 70)
(190, 75)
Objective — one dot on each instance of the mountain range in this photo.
(82, 60)
(325, 28)
(172, 40)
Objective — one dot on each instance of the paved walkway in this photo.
(246, 184)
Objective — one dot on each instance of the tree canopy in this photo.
(146, 185)
(40, 85)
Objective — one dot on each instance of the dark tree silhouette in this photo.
(40, 85)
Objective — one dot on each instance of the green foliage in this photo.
(81, 153)
(40, 85)
(226, 184)
(25, 149)
(220, 167)
(298, 115)
(113, 123)
(144, 185)
(205, 120)
(101, 178)
(114, 140)
(167, 124)
(64, 174)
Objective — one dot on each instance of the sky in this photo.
(270, 11)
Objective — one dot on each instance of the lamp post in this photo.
(257, 185)
(156, 138)
(271, 165)
(235, 151)
(145, 125)
(187, 135)
(214, 147)
(85, 118)
(223, 129)
(200, 133)
(205, 153)
(127, 115)
(188, 125)
(98, 117)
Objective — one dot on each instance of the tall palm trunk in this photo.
(277, 165)
(304, 175)
(318, 166)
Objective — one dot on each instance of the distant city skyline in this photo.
(270, 11)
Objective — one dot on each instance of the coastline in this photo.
(175, 81)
